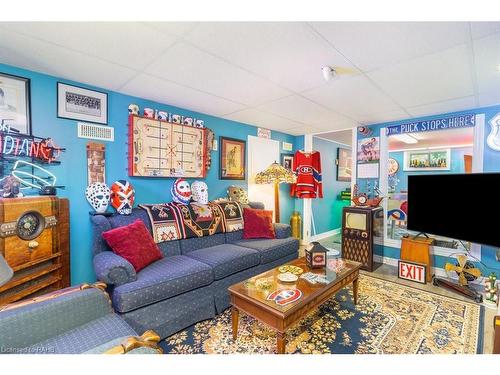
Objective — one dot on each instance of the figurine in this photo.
(133, 109)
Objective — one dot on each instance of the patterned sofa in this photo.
(76, 320)
(190, 283)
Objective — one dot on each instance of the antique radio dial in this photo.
(30, 225)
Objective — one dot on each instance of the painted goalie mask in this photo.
(200, 192)
(181, 191)
(97, 195)
(122, 197)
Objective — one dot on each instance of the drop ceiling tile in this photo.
(378, 118)
(288, 53)
(128, 44)
(303, 130)
(189, 66)
(371, 45)
(458, 104)
(153, 88)
(433, 78)
(40, 56)
(487, 62)
(355, 97)
(262, 119)
(489, 98)
(173, 28)
(482, 29)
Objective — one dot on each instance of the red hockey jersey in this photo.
(307, 168)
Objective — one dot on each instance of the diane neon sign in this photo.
(16, 145)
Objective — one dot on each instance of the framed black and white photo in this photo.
(287, 161)
(15, 113)
(77, 103)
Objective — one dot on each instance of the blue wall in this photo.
(456, 166)
(72, 172)
(327, 212)
(491, 163)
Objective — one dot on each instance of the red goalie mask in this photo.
(122, 197)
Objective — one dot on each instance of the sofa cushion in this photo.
(271, 250)
(85, 337)
(196, 243)
(226, 259)
(163, 279)
(258, 224)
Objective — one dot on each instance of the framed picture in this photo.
(344, 164)
(232, 159)
(287, 161)
(15, 107)
(77, 103)
(431, 160)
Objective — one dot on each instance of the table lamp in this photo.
(276, 174)
(5, 271)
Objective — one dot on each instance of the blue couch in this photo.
(190, 283)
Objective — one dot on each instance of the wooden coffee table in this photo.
(256, 298)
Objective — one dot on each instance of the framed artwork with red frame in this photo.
(232, 159)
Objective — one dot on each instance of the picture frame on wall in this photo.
(78, 103)
(232, 159)
(15, 104)
(287, 161)
(427, 160)
(344, 164)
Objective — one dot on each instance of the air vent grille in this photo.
(97, 132)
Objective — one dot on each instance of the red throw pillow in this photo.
(134, 243)
(258, 224)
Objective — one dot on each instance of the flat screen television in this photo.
(461, 206)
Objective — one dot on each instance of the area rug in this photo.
(390, 318)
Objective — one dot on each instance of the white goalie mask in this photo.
(133, 109)
(199, 190)
(98, 195)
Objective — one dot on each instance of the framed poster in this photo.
(77, 103)
(232, 159)
(287, 161)
(344, 164)
(368, 157)
(430, 160)
(15, 106)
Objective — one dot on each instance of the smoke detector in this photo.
(328, 73)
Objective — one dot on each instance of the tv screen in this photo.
(460, 206)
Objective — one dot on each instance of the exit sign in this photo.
(412, 271)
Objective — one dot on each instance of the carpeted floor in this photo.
(389, 318)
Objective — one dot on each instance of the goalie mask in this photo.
(200, 192)
(97, 195)
(181, 191)
(122, 197)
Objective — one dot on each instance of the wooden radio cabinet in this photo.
(34, 240)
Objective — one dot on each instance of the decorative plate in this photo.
(392, 166)
(287, 277)
(292, 269)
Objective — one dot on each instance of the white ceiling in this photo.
(341, 136)
(441, 138)
(269, 74)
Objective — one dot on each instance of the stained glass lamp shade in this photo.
(276, 174)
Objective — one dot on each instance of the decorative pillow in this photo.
(258, 224)
(237, 194)
(134, 243)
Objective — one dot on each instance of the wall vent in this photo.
(97, 132)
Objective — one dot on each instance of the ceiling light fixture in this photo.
(406, 138)
(328, 73)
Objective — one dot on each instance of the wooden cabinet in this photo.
(417, 250)
(34, 240)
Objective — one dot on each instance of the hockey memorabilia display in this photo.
(163, 149)
(96, 162)
(316, 255)
(199, 123)
(78, 103)
(283, 297)
(98, 195)
(209, 147)
(176, 119)
(181, 191)
(344, 164)
(122, 197)
(232, 159)
(174, 221)
(199, 191)
(237, 194)
(133, 109)
(149, 113)
(187, 121)
(307, 168)
(15, 104)
(412, 271)
(162, 115)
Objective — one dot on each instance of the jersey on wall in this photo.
(163, 149)
(307, 168)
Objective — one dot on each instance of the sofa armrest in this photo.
(147, 343)
(282, 230)
(256, 205)
(113, 269)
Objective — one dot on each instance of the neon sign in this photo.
(16, 145)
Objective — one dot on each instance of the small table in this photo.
(253, 300)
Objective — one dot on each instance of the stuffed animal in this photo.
(199, 190)
(122, 197)
(237, 194)
(181, 191)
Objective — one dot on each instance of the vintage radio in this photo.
(34, 240)
(359, 226)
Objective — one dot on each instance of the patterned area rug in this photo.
(390, 318)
